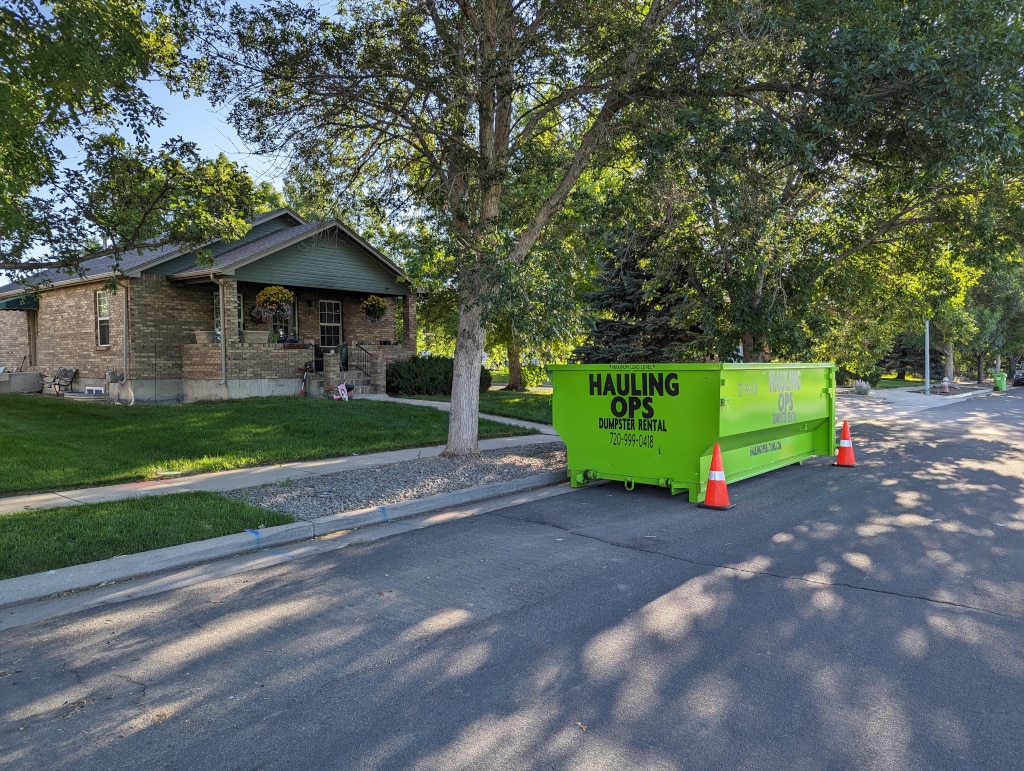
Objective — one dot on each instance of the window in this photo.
(102, 318)
(284, 326)
(330, 323)
(216, 312)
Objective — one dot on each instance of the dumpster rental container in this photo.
(657, 424)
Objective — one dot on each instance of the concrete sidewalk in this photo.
(893, 403)
(877, 406)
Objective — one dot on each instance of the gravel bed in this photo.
(385, 485)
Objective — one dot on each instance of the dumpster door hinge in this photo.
(723, 403)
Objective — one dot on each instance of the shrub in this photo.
(426, 376)
(861, 387)
(533, 375)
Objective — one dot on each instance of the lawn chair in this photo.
(61, 381)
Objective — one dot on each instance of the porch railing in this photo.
(361, 359)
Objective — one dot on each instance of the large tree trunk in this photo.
(947, 352)
(515, 366)
(463, 425)
(981, 368)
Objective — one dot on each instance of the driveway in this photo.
(870, 617)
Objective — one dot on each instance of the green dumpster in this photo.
(657, 424)
(1000, 381)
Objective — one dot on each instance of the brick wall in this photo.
(358, 328)
(14, 339)
(374, 335)
(164, 317)
(66, 332)
(202, 361)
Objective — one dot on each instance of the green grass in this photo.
(36, 541)
(534, 407)
(890, 381)
(55, 444)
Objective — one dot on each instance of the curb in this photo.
(38, 586)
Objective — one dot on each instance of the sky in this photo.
(196, 121)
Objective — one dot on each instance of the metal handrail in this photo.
(361, 359)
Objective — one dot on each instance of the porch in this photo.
(276, 369)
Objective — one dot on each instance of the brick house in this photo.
(153, 331)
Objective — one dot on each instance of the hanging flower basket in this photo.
(272, 301)
(374, 307)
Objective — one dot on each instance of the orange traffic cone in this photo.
(845, 457)
(717, 495)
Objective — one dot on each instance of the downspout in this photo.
(223, 330)
(126, 369)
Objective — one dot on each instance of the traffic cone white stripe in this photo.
(716, 476)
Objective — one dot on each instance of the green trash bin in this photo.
(658, 424)
(1000, 381)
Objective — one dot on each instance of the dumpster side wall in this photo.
(657, 423)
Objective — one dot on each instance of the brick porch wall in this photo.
(202, 361)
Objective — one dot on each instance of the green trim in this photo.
(23, 302)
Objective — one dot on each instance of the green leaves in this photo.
(817, 177)
(69, 71)
(125, 197)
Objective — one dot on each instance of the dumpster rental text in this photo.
(632, 403)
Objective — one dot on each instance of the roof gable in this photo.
(324, 255)
(172, 259)
(268, 224)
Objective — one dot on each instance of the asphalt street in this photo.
(868, 617)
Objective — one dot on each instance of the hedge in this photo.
(426, 376)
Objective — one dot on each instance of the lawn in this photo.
(34, 541)
(534, 407)
(890, 381)
(55, 444)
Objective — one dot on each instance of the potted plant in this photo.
(273, 301)
(374, 307)
(273, 304)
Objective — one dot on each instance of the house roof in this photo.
(248, 250)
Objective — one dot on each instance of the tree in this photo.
(433, 101)
(907, 356)
(854, 160)
(70, 74)
(996, 303)
(430, 102)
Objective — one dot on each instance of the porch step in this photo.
(359, 379)
(78, 396)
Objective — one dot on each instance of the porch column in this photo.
(229, 321)
(409, 322)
